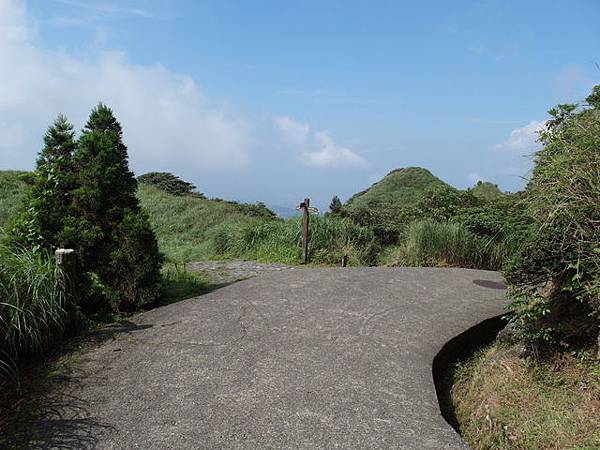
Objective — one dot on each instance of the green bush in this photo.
(429, 243)
(388, 222)
(133, 269)
(32, 305)
(504, 219)
(559, 265)
(169, 183)
(440, 203)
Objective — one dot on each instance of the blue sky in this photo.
(274, 101)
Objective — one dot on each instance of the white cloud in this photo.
(331, 155)
(328, 154)
(167, 121)
(292, 130)
(524, 139)
(13, 22)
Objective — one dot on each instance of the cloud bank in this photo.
(167, 120)
(523, 140)
(317, 149)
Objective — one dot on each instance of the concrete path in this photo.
(296, 359)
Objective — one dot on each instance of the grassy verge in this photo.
(502, 401)
(428, 243)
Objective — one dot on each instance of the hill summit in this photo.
(400, 186)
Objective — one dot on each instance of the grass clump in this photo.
(429, 243)
(32, 305)
(503, 401)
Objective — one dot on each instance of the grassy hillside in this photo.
(13, 189)
(401, 186)
(185, 225)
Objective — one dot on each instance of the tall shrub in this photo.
(556, 279)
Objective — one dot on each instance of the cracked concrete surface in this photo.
(292, 359)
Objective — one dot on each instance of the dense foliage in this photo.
(556, 278)
(484, 190)
(335, 207)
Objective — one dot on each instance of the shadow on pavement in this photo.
(54, 420)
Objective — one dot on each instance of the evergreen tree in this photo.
(41, 223)
(336, 205)
(111, 233)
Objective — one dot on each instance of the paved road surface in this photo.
(295, 359)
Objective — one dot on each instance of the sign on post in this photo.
(306, 209)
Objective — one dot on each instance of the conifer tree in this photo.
(336, 205)
(113, 236)
(40, 224)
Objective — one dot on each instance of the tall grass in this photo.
(32, 305)
(184, 225)
(428, 243)
(331, 237)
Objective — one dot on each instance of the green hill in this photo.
(486, 191)
(401, 187)
(185, 225)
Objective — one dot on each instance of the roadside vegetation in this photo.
(539, 387)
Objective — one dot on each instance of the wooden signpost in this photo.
(306, 210)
